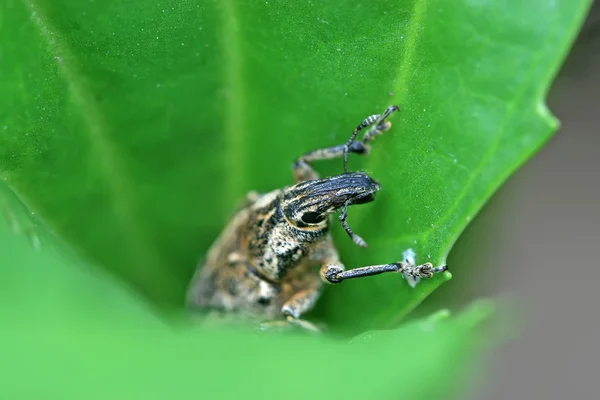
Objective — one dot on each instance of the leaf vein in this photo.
(234, 97)
(116, 180)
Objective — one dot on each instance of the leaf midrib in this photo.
(543, 113)
(402, 88)
(235, 100)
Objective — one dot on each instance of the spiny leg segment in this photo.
(380, 126)
(333, 274)
(304, 172)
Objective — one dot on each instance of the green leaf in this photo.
(104, 351)
(133, 128)
(45, 288)
(107, 344)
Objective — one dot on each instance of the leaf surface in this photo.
(133, 128)
(71, 333)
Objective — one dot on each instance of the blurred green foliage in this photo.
(131, 129)
(68, 332)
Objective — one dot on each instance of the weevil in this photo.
(264, 264)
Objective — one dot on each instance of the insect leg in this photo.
(333, 274)
(296, 305)
(302, 301)
(304, 172)
(380, 126)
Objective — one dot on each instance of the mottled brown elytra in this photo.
(264, 264)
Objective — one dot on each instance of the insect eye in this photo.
(312, 217)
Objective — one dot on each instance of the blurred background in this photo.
(536, 244)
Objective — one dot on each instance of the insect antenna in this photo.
(355, 238)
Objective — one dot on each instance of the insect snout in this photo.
(350, 189)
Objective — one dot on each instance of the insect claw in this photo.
(416, 272)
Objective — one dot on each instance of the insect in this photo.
(264, 264)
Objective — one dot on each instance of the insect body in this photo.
(263, 265)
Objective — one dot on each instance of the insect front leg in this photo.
(302, 169)
(304, 172)
(380, 125)
(335, 273)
